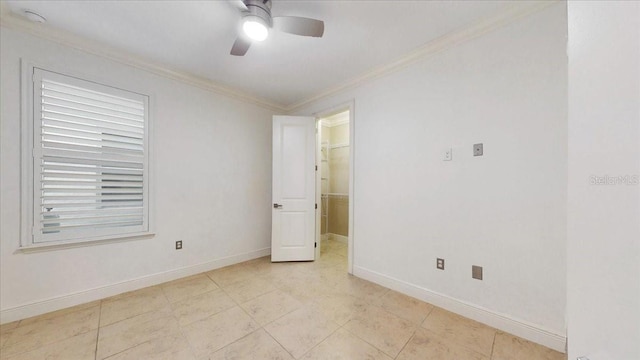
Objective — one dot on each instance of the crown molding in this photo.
(63, 37)
(514, 12)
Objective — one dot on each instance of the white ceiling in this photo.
(196, 37)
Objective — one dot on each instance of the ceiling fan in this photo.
(257, 20)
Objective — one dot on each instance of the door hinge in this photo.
(316, 206)
(315, 244)
(316, 167)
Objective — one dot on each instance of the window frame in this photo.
(28, 180)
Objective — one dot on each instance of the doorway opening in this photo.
(333, 185)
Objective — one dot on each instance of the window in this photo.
(89, 161)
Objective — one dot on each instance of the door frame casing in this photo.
(318, 194)
(345, 106)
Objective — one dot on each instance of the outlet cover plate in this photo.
(448, 155)
(440, 263)
(476, 272)
(478, 149)
(178, 244)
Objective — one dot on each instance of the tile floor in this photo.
(260, 310)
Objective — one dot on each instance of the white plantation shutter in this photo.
(90, 160)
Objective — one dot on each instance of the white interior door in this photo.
(293, 212)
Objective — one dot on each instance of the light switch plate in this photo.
(477, 149)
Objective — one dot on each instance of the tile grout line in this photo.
(260, 326)
(239, 305)
(131, 317)
(281, 316)
(493, 344)
(263, 327)
(95, 352)
(465, 345)
(185, 338)
(277, 342)
(28, 350)
(321, 341)
(180, 328)
(364, 340)
(408, 341)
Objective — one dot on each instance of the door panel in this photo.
(293, 140)
(293, 229)
(293, 212)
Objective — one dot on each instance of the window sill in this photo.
(60, 245)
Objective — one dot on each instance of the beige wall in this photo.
(325, 134)
(339, 215)
(339, 160)
(338, 179)
(340, 134)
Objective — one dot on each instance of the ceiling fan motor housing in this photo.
(260, 9)
(257, 20)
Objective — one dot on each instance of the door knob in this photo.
(277, 206)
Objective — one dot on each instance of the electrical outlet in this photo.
(178, 244)
(448, 155)
(478, 149)
(476, 272)
(440, 263)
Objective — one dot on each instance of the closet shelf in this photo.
(335, 146)
(337, 194)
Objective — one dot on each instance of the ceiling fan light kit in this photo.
(255, 28)
(257, 20)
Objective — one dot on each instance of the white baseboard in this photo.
(339, 238)
(62, 302)
(502, 322)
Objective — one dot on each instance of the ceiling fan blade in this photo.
(299, 25)
(240, 46)
(239, 4)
